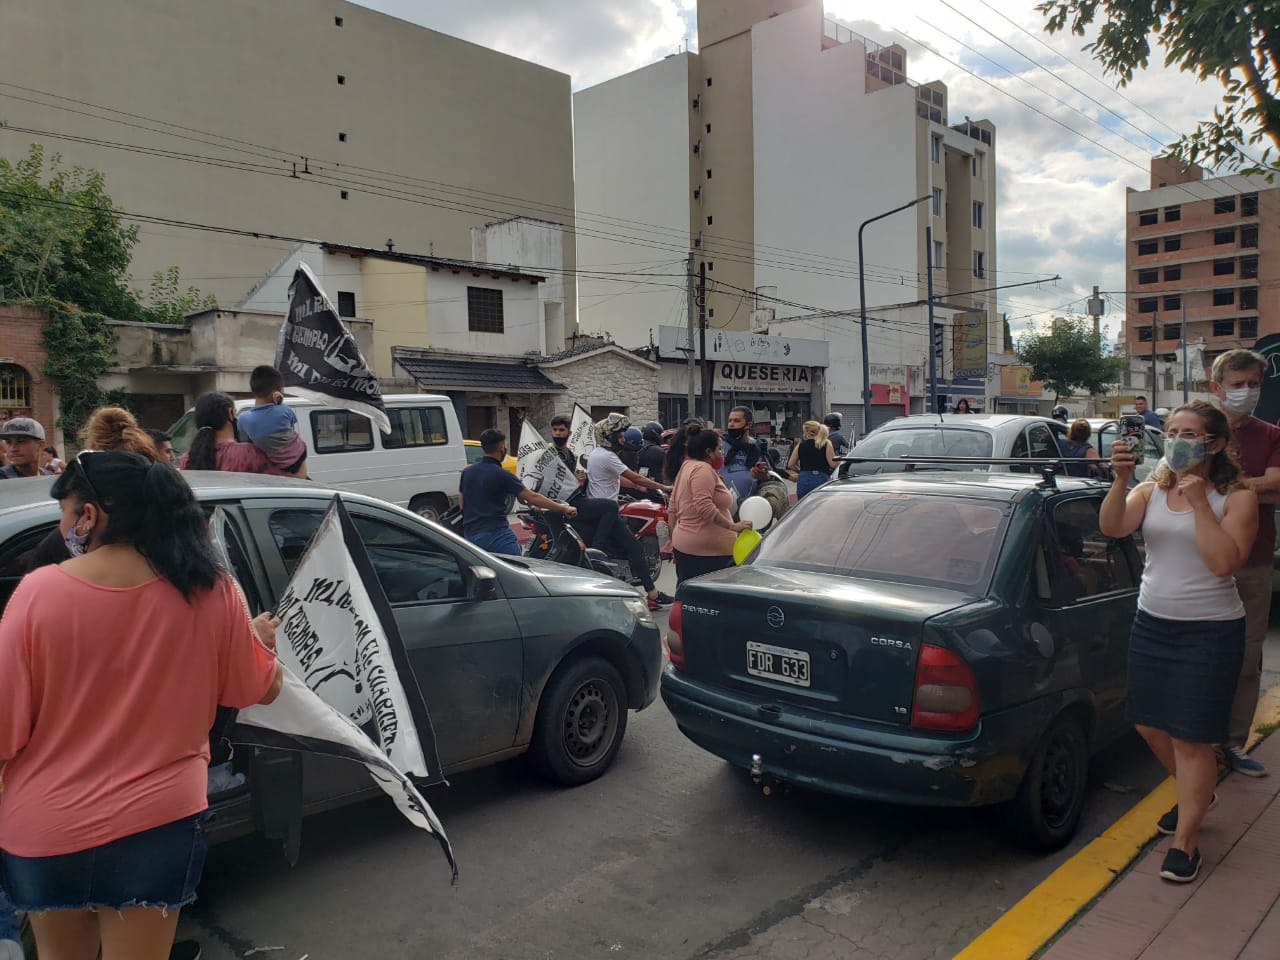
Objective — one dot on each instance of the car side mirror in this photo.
(483, 584)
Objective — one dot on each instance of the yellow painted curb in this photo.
(1032, 921)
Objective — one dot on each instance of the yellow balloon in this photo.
(745, 543)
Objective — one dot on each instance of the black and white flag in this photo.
(540, 467)
(319, 359)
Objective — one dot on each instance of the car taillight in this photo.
(675, 642)
(946, 693)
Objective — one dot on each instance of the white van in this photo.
(417, 465)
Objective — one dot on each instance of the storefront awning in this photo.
(447, 374)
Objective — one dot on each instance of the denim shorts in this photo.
(160, 867)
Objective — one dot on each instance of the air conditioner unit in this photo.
(760, 319)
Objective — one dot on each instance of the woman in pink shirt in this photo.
(215, 446)
(111, 667)
(702, 528)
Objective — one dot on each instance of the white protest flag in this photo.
(541, 468)
(582, 435)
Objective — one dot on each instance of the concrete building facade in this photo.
(293, 118)
(1202, 260)
(798, 129)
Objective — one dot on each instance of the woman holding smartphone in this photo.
(1187, 640)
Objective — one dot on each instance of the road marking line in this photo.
(1031, 922)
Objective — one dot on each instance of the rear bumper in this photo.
(857, 759)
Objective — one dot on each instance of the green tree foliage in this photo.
(1234, 42)
(81, 347)
(169, 303)
(1069, 355)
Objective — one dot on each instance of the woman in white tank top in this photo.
(1199, 522)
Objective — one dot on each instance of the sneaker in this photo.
(1168, 824)
(1180, 867)
(185, 950)
(664, 599)
(1240, 762)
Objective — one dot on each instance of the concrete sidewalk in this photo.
(1232, 910)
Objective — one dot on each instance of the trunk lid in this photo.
(841, 645)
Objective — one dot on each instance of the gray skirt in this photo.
(1183, 675)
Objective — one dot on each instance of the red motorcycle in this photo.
(645, 519)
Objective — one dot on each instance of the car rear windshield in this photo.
(943, 541)
(923, 442)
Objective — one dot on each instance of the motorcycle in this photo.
(556, 539)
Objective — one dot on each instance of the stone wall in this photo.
(610, 378)
(22, 345)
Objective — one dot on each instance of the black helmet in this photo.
(1060, 413)
(832, 420)
(652, 432)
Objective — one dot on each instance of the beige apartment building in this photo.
(294, 118)
(1202, 260)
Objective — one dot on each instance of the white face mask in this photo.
(1241, 400)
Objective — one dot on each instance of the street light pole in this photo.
(862, 302)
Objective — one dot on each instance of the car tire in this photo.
(1046, 811)
(429, 506)
(581, 720)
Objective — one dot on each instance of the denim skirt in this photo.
(1183, 675)
(160, 867)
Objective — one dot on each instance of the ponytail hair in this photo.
(114, 428)
(700, 443)
(149, 506)
(1224, 470)
(678, 449)
(211, 413)
(817, 432)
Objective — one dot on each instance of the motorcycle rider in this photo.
(651, 453)
(839, 444)
(744, 465)
(598, 516)
(605, 470)
(1060, 414)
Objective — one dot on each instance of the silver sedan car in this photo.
(999, 436)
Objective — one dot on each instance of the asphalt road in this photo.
(672, 854)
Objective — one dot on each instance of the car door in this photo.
(1086, 589)
(1035, 443)
(466, 650)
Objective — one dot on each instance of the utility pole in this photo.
(931, 401)
(708, 371)
(1096, 308)
(691, 353)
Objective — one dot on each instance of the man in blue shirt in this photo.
(483, 493)
(1152, 418)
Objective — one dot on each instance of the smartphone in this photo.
(1133, 430)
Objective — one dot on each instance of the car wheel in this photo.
(652, 554)
(581, 721)
(430, 506)
(1050, 800)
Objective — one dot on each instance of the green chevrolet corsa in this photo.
(924, 638)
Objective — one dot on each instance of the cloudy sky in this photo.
(1062, 177)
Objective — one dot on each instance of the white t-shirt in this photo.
(603, 472)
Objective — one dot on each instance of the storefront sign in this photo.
(740, 346)
(761, 378)
(1015, 381)
(969, 346)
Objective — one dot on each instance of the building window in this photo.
(710, 220)
(1172, 243)
(337, 21)
(1224, 268)
(1172, 331)
(1173, 273)
(708, 128)
(1248, 236)
(1172, 214)
(935, 149)
(977, 214)
(342, 194)
(1249, 205)
(1144, 334)
(484, 310)
(1224, 205)
(1148, 276)
(1224, 328)
(708, 173)
(708, 81)
(937, 201)
(342, 78)
(979, 163)
(1173, 302)
(1148, 247)
(346, 303)
(1148, 305)
(937, 255)
(979, 263)
(1248, 268)
(1248, 298)
(1148, 217)
(342, 137)
(1249, 328)
(15, 386)
(1224, 298)
(1221, 237)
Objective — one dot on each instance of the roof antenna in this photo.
(390, 245)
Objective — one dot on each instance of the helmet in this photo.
(833, 420)
(632, 438)
(1060, 413)
(653, 431)
(609, 427)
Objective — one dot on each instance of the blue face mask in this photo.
(1184, 454)
(76, 543)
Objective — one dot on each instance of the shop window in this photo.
(484, 310)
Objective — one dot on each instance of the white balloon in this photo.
(758, 511)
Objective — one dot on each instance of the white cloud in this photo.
(1061, 208)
